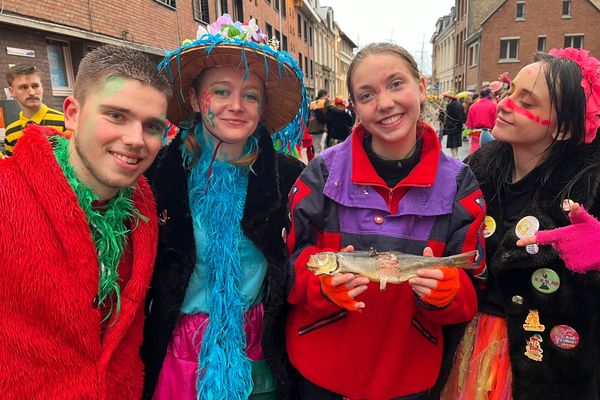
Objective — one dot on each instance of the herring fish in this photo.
(384, 267)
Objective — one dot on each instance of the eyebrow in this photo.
(248, 85)
(527, 91)
(393, 75)
(108, 107)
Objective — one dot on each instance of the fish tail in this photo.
(463, 260)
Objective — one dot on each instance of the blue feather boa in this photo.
(225, 371)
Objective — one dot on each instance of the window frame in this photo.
(521, 6)
(566, 2)
(62, 91)
(545, 42)
(473, 55)
(172, 4)
(198, 11)
(573, 36)
(508, 59)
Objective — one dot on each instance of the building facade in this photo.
(502, 35)
(55, 35)
(443, 55)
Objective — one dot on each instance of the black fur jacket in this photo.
(561, 374)
(265, 216)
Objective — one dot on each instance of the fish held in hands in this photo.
(384, 267)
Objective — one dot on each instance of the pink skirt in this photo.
(177, 379)
(481, 369)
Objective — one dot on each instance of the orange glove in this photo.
(338, 295)
(446, 288)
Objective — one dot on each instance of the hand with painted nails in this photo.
(436, 287)
(342, 289)
(574, 242)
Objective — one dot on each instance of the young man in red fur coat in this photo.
(78, 237)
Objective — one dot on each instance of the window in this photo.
(473, 54)
(269, 1)
(566, 11)
(509, 49)
(223, 7)
(300, 26)
(269, 31)
(168, 3)
(574, 41)
(278, 35)
(61, 67)
(238, 10)
(310, 36)
(541, 43)
(201, 11)
(305, 65)
(300, 60)
(284, 44)
(311, 70)
(276, 5)
(305, 31)
(283, 8)
(520, 11)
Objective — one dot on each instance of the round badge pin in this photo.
(490, 226)
(564, 337)
(545, 280)
(527, 226)
(532, 248)
(566, 205)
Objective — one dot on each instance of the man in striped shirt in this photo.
(25, 85)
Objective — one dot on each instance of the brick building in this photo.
(502, 35)
(534, 25)
(54, 35)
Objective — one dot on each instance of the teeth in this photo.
(128, 160)
(390, 120)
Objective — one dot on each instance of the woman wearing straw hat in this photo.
(217, 299)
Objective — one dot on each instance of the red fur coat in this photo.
(50, 344)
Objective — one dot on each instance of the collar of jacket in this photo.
(171, 191)
(546, 203)
(424, 173)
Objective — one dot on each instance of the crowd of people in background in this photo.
(157, 233)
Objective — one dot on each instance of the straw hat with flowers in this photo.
(229, 43)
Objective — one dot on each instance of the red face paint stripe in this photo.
(508, 103)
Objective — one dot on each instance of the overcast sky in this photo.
(409, 23)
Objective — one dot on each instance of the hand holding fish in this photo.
(436, 287)
(342, 289)
(573, 242)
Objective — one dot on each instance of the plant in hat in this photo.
(241, 45)
(590, 82)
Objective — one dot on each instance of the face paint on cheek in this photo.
(511, 105)
(208, 117)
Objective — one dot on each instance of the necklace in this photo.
(108, 228)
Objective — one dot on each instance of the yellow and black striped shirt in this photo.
(45, 117)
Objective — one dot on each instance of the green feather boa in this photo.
(109, 229)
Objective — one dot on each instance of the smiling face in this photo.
(28, 92)
(117, 133)
(526, 117)
(387, 100)
(229, 105)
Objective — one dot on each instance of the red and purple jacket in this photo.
(394, 347)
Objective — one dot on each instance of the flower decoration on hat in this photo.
(590, 82)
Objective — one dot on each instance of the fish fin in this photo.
(464, 260)
(382, 284)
